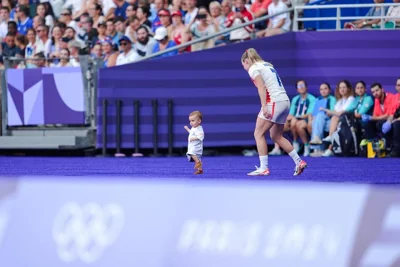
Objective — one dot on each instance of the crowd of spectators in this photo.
(125, 31)
(314, 119)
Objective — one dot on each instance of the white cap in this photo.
(160, 34)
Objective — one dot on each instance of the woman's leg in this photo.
(334, 124)
(276, 133)
(302, 130)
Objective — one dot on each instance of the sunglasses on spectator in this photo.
(123, 43)
(65, 14)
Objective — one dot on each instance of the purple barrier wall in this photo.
(45, 96)
(214, 82)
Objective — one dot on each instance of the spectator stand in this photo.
(341, 18)
(50, 108)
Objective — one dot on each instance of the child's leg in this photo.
(198, 165)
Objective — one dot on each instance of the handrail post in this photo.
(382, 15)
(338, 19)
(295, 19)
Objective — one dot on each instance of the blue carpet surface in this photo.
(360, 170)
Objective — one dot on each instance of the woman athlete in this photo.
(275, 107)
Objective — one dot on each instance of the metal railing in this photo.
(263, 18)
(338, 18)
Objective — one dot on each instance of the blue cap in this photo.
(125, 38)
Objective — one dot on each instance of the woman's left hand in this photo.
(266, 113)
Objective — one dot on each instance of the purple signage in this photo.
(167, 223)
(45, 96)
(214, 82)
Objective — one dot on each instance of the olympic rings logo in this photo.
(84, 232)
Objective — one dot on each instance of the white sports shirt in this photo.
(196, 147)
(273, 84)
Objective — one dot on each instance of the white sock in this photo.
(263, 162)
(295, 157)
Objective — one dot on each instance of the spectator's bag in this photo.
(345, 139)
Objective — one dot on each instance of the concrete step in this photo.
(43, 142)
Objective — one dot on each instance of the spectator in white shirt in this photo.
(128, 55)
(5, 18)
(74, 48)
(394, 14)
(191, 11)
(43, 43)
(66, 17)
(278, 24)
(144, 44)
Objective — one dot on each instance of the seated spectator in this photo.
(38, 21)
(66, 17)
(376, 11)
(4, 18)
(101, 29)
(379, 125)
(166, 22)
(200, 28)
(127, 55)
(30, 49)
(163, 43)
(238, 17)
(21, 42)
(259, 8)
(43, 13)
(132, 28)
(109, 55)
(74, 47)
(130, 11)
(145, 43)
(43, 43)
(24, 21)
(143, 14)
(320, 119)
(180, 33)
(120, 10)
(220, 18)
(394, 14)
(278, 24)
(56, 36)
(12, 27)
(64, 59)
(96, 51)
(8, 48)
(88, 34)
(94, 10)
(396, 123)
(344, 95)
(191, 11)
(40, 60)
(297, 120)
(363, 103)
(158, 5)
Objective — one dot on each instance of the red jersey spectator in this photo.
(239, 16)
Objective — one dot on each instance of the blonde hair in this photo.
(214, 4)
(197, 114)
(252, 55)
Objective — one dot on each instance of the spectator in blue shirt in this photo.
(163, 43)
(120, 10)
(24, 21)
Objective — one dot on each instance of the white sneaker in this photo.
(328, 153)
(316, 141)
(275, 152)
(328, 139)
(259, 172)
(306, 151)
(296, 146)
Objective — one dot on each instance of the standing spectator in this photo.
(144, 44)
(180, 33)
(44, 42)
(191, 11)
(5, 18)
(143, 14)
(236, 18)
(43, 13)
(24, 21)
(200, 28)
(278, 24)
(128, 55)
(163, 43)
(120, 10)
